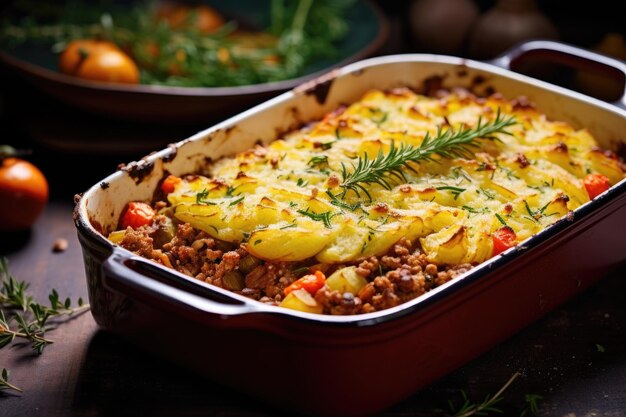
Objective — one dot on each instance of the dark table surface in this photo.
(573, 359)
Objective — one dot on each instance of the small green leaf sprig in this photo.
(31, 319)
(481, 409)
(4, 382)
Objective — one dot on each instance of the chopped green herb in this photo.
(474, 210)
(319, 217)
(318, 160)
(300, 270)
(459, 172)
(230, 190)
(201, 197)
(381, 119)
(326, 146)
(489, 194)
(456, 191)
(336, 202)
(501, 220)
(236, 201)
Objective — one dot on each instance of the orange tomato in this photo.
(111, 66)
(596, 184)
(503, 238)
(137, 214)
(78, 50)
(23, 194)
(311, 283)
(180, 16)
(98, 60)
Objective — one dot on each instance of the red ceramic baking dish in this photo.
(360, 364)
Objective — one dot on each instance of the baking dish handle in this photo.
(151, 284)
(565, 54)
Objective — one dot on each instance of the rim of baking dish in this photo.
(427, 299)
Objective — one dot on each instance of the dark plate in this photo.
(367, 31)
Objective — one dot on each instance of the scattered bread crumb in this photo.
(60, 245)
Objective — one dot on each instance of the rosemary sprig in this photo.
(488, 405)
(449, 143)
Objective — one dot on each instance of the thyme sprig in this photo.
(488, 405)
(23, 318)
(4, 382)
(388, 168)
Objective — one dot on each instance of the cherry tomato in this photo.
(503, 238)
(596, 184)
(23, 194)
(137, 214)
(311, 283)
(98, 61)
(180, 16)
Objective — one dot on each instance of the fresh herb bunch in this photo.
(388, 168)
(31, 319)
(300, 32)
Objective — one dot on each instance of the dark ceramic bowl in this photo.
(367, 31)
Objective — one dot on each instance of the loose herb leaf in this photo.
(468, 408)
(318, 160)
(530, 404)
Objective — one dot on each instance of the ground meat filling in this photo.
(400, 275)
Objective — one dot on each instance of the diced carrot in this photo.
(137, 214)
(311, 283)
(596, 184)
(503, 238)
(169, 184)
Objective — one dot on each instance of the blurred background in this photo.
(67, 139)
